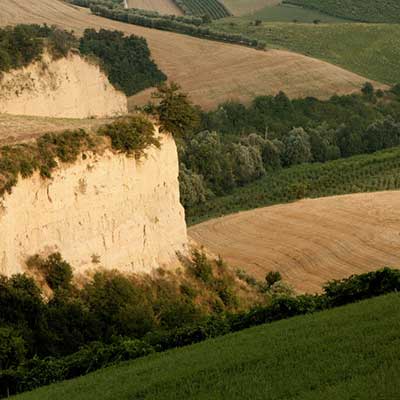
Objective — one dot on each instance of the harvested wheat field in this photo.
(16, 129)
(211, 72)
(310, 241)
(162, 6)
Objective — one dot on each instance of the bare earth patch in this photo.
(15, 128)
(211, 72)
(161, 6)
(310, 241)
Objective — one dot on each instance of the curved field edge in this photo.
(364, 173)
(311, 241)
(203, 68)
(340, 44)
(350, 352)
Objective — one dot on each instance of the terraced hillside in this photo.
(357, 10)
(211, 72)
(310, 241)
(347, 353)
(211, 8)
(168, 7)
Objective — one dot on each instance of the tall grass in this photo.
(349, 352)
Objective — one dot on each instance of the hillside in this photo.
(98, 208)
(339, 44)
(70, 87)
(357, 10)
(243, 7)
(203, 68)
(309, 241)
(345, 353)
(161, 6)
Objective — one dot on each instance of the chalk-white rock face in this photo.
(70, 87)
(104, 210)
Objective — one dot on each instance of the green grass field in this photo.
(371, 50)
(365, 173)
(290, 13)
(350, 352)
(357, 10)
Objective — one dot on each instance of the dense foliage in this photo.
(125, 59)
(356, 10)
(350, 352)
(213, 9)
(174, 25)
(237, 144)
(111, 315)
(23, 44)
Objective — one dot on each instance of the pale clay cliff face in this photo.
(70, 87)
(120, 211)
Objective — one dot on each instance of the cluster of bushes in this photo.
(109, 318)
(235, 145)
(22, 44)
(358, 174)
(27, 322)
(126, 60)
(168, 24)
(130, 135)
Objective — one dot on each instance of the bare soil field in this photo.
(162, 6)
(243, 7)
(310, 241)
(211, 72)
(16, 129)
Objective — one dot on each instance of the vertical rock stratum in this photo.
(104, 210)
(70, 87)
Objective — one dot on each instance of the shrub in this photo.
(131, 135)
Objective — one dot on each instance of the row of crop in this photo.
(210, 8)
(175, 26)
(367, 173)
(39, 372)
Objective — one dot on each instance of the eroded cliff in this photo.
(69, 87)
(105, 210)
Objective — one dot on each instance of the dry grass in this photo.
(243, 7)
(162, 6)
(211, 72)
(14, 128)
(310, 241)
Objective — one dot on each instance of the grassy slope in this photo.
(358, 10)
(371, 50)
(289, 13)
(365, 173)
(345, 353)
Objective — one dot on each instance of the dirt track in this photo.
(211, 72)
(310, 241)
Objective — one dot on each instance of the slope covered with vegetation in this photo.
(213, 9)
(357, 10)
(339, 44)
(344, 353)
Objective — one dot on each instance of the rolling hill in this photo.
(345, 353)
(309, 241)
(339, 44)
(357, 10)
(211, 72)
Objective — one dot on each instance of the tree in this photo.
(367, 90)
(272, 277)
(176, 113)
(297, 147)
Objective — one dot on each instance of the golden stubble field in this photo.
(310, 241)
(162, 6)
(211, 72)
